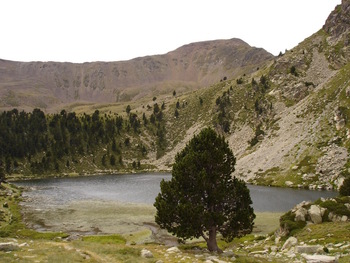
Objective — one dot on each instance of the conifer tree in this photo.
(202, 198)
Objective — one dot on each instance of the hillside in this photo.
(288, 122)
(51, 85)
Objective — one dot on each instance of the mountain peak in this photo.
(189, 67)
(338, 21)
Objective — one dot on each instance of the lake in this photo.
(143, 188)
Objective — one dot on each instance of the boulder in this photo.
(308, 249)
(173, 250)
(300, 214)
(9, 246)
(294, 168)
(315, 214)
(347, 92)
(289, 183)
(319, 259)
(290, 242)
(145, 253)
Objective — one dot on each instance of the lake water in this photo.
(143, 188)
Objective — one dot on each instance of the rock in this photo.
(319, 259)
(300, 214)
(308, 249)
(344, 218)
(261, 252)
(214, 259)
(277, 240)
(145, 253)
(274, 248)
(228, 254)
(159, 261)
(315, 214)
(9, 246)
(25, 244)
(289, 183)
(347, 92)
(290, 242)
(173, 250)
(294, 168)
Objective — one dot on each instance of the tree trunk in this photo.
(211, 242)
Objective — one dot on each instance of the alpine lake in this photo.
(123, 204)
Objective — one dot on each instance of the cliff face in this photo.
(338, 28)
(52, 84)
(339, 20)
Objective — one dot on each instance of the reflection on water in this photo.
(143, 188)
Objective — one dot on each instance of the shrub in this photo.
(344, 190)
(335, 207)
(289, 225)
(293, 71)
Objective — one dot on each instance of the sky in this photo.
(114, 30)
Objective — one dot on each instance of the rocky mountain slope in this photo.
(298, 121)
(309, 140)
(49, 85)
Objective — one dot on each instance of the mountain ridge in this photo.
(187, 68)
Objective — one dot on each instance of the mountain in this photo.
(51, 85)
(288, 122)
(306, 137)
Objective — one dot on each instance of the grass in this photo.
(110, 239)
(328, 232)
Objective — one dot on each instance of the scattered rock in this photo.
(228, 254)
(9, 246)
(290, 242)
(277, 240)
(347, 92)
(315, 214)
(309, 249)
(145, 253)
(319, 259)
(173, 250)
(300, 214)
(289, 183)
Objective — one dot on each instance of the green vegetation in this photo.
(337, 206)
(111, 239)
(345, 188)
(202, 199)
(287, 222)
(35, 143)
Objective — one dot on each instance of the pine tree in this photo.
(202, 198)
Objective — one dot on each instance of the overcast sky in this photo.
(113, 30)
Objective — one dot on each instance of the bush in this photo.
(289, 225)
(293, 71)
(337, 208)
(344, 190)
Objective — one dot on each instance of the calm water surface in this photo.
(143, 188)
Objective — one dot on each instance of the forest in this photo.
(54, 142)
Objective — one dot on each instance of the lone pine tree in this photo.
(202, 198)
